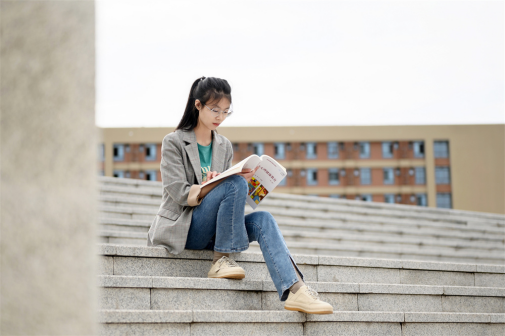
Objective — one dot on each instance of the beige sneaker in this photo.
(306, 300)
(226, 268)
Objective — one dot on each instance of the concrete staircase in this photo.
(147, 291)
(322, 226)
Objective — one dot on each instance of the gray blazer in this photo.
(181, 176)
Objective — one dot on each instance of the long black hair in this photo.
(204, 89)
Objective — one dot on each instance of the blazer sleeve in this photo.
(173, 173)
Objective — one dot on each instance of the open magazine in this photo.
(269, 174)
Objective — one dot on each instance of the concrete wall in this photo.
(48, 168)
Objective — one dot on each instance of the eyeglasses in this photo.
(216, 112)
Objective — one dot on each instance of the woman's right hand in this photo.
(210, 176)
(248, 173)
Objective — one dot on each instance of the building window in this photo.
(441, 149)
(387, 149)
(311, 176)
(311, 152)
(418, 149)
(442, 175)
(389, 198)
(279, 150)
(235, 147)
(421, 200)
(118, 152)
(118, 173)
(333, 176)
(151, 175)
(334, 196)
(127, 148)
(332, 150)
(150, 152)
(141, 175)
(283, 181)
(365, 176)
(389, 176)
(127, 174)
(101, 153)
(258, 148)
(444, 200)
(366, 197)
(364, 150)
(420, 175)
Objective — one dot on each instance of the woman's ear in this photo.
(198, 104)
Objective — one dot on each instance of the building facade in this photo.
(445, 166)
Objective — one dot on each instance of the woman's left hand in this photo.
(248, 173)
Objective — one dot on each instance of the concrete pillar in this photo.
(49, 186)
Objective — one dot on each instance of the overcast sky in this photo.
(303, 62)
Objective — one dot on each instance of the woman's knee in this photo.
(264, 218)
(238, 182)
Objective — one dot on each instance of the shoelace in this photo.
(313, 293)
(227, 261)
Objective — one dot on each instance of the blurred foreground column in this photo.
(48, 171)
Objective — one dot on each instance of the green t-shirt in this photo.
(205, 153)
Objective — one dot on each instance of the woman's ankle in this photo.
(219, 255)
(293, 289)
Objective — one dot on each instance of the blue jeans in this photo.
(219, 224)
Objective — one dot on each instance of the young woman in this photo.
(213, 217)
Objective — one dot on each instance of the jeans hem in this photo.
(239, 249)
(297, 270)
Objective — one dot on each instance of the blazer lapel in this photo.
(218, 154)
(192, 150)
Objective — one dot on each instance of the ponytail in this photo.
(204, 89)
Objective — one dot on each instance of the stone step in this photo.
(331, 236)
(108, 237)
(176, 293)
(387, 231)
(401, 218)
(383, 210)
(131, 260)
(156, 188)
(253, 322)
(389, 251)
(390, 229)
(135, 238)
(318, 224)
(123, 237)
(355, 245)
(307, 249)
(325, 204)
(135, 183)
(366, 207)
(295, 215)
(322, 212)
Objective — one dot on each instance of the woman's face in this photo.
(207, 118)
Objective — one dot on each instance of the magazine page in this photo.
(266, 178)
(248, 163)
